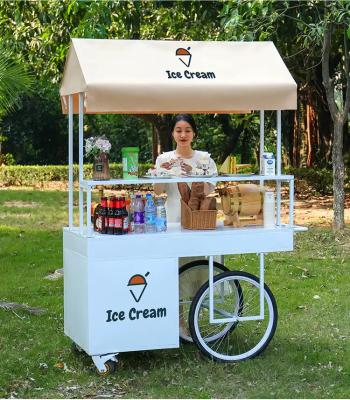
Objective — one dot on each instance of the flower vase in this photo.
(101, 168)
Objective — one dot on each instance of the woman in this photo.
(182, 161)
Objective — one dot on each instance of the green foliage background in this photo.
(39, 34)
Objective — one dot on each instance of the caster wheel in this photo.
(111, 366)
(76, 349)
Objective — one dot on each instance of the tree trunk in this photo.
(339, 117)
(232, 134)
(160, 129)
(294, 145)
(338, 176)
(164, 135)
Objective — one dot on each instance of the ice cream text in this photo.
(135, 314)
(190, 75)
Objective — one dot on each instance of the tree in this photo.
(40, 32)
(337, 18)
(14, 81)
(312, 37)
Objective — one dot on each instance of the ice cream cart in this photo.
(121, 293)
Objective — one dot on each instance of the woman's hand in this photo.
(168, 165)
(186, 168)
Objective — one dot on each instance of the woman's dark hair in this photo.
(184, 117)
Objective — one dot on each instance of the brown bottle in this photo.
(118, 218)
(110, 216)
(101, 217)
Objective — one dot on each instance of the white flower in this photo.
(103, 145)
(97, 145)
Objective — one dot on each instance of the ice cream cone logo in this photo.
(137, 285)
(184, 55)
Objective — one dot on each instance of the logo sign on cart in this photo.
(137, 285)
(185, 57)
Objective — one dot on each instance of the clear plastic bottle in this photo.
(150, 214)
(161, 222)
(139, 215)
(131, 214)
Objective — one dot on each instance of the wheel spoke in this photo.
(239, 295)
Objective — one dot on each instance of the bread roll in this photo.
(208, 203)
(185, 191)
(197, 195)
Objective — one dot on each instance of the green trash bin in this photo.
(130, 156)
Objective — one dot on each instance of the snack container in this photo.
(199, 219)
(268, 164)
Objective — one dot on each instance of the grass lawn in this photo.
(309, 356)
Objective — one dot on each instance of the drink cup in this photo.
(130, 156)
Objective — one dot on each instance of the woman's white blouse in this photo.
(172, 204)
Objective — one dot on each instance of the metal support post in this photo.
(225, 286)
(278, 202)
(279, 166)
(81, 161)
(262, 139)
(70, 161)
(88, 211)
(279, 143)
(291, 202)
(261, 279)
(211, 289)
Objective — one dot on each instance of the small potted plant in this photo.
(98, 147)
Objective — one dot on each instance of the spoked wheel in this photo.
(233, 341)
(191, 277)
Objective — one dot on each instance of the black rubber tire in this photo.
(111, 367)
(193, 264)
(204, 288)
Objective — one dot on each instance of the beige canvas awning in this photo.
(161, 76)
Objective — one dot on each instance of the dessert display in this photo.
(197, 210)
(242, 204)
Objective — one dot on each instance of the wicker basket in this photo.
(201, 219)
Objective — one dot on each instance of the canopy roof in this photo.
(161, 76)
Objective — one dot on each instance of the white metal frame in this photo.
(88, 185)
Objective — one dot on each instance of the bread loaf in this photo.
(197, 195)
(208, 203)
(185, 191)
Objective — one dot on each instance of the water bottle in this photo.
(139, 215)
(150, 214)
(131, 214)
(161, 223)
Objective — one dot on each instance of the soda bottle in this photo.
(101, 216)
(139, 215)
(150, 214)
(161, 222)
(118, 218)
(125, 216)
(110, 215)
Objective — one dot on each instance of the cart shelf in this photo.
(86, 184)
(179, 242)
